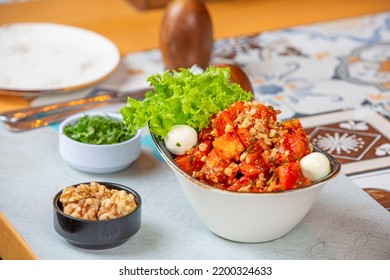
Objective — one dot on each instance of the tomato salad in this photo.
(246, 149)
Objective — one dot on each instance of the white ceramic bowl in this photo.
(98, 158)
(247, 217)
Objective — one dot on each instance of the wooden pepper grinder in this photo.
(186, 35)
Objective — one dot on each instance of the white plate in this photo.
(42, 58)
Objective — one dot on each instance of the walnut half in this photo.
(118, 205)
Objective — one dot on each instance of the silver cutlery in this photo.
(30, 118)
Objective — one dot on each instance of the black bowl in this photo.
(97, 234)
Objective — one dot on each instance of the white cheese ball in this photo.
(315, 166)
(180, 138)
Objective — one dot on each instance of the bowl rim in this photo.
(168, 157)
(110, 185)
(73, 119)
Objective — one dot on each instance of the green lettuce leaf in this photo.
(181, 97)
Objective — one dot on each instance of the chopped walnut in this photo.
(96, 202)
(202, 147)
(228, 171)
(229, 128)
(85, 208)
(119, 204)
(73, 194)
(232, 168)
(99, 191)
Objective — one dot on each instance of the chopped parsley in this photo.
(98, 130)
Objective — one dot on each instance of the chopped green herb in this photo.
(183, 98)
(98, 130)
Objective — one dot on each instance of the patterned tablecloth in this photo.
(334, 76)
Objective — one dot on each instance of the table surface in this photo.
(34, 172)
(344, 222)
(133, 30)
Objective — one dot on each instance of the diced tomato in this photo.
(292, 149)
(288, 175)
(184, 162)
(265, 113)
(223, 123)
(242, 182)
(245, 137)
(205, 134)
(228, 146)
(234, 109)
(193, 160)
(291, 125)
(214, 167)
(249, 170)
(253, 152)
(294, 127)
(199, 153)
(296, 146)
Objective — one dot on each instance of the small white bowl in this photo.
(247, 217)
(98, 158)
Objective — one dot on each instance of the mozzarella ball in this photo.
(180, 138)
(315, 166)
